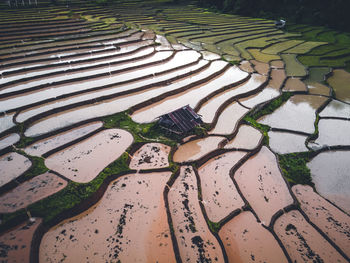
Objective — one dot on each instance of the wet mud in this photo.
(83, 161)
(150, 156)
(219, 194)
(261, 183)
(12, 165)
(128, 224)
(245, 240)
(31, 191)
(195, 241)
(302, 242)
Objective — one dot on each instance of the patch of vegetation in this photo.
(253, 116)
(264, 129)
(271, 106)
(74, 193)
(142, 132)
(214, 227)
(294, 169)
(24, 141)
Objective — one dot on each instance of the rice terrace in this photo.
(166, 131)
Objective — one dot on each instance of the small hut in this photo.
(180, 121)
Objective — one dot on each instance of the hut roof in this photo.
(181, 120)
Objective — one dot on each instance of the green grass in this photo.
(74, 193)
(294, 169)
(141, 132)
(214, 227)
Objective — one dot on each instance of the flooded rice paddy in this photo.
(83, 161)
(87, 175)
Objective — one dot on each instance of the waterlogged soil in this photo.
(332, 221)
(6, 122)
(336, 109)
(31, 191)
(48, 144)
(297, 114)
(332, 183)
(16, 242)
(285, 142)
(9, 140)
(219, 194)
(302, 242)
(12, 165)
(246, 138)
(196, 149)
(339, 81)
(150, 156)
(128, 224)
(196, 243)
(190, 97)
(228, 119)
(294, 84)
(210, 107)
(263, 186)
(333, 132)
(246, 240)
(83, 161)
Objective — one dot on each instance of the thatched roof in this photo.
(181, 120)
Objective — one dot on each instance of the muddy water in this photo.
(83, 161)
(277, 78)
(178, 60)
(277, 64)
(158, 56)
(85, 72)
(294, 84)
(260, 67)
(246, 66)
(207, 55)
(245, 240)
(229, 118)
(12, 165)
(209, 108)
(150, 156)
(261, 183)
(302, 242)
(48, 144)
(246, 138)
(31, 191)
(196, 243)
(128, 224)
(6, 122)
(15, 244)
(9, 140)
(266, 94)
(339, 81)
(336, 109)
(220, 196)
(334, 223)
(285, 142)
(318, 89)
(196, 149)
(333, 132)
(330, 173)
(297, 114)
(112, 106)
(165, 45)
(191, 96)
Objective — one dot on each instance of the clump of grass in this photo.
(141, 132)
(264, 129)
(214, 227)
(74, 193)
(293, 166)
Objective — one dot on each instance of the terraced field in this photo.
(86, 174)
